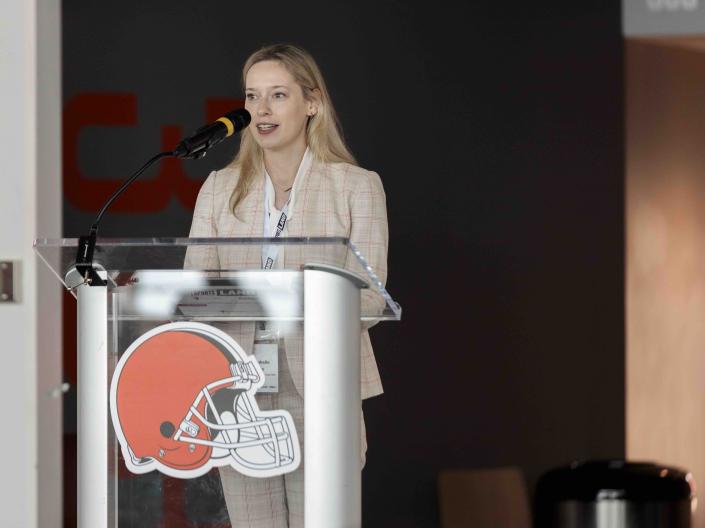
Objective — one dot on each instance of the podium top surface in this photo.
(222, 268)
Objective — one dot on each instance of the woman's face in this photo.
(277, 105)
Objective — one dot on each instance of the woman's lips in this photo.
(264, 130)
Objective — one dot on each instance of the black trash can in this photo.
(614, 494)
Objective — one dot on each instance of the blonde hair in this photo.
(323, 134)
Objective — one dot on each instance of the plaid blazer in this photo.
(333, 200)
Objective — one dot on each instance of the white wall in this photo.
(30, 338)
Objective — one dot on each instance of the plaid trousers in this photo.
(274, 502)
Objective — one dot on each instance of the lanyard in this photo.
(270, 252)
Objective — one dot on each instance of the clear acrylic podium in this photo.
(315, 300)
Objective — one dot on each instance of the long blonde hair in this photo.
(323, 133)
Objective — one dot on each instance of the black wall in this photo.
(498, 135)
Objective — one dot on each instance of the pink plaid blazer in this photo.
(333, 200)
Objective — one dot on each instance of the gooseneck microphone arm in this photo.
(193, 147)
(86, 243)
(127, 183)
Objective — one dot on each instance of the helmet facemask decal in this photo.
(265, 441)
(199, 411)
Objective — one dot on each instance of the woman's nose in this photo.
(263, 109)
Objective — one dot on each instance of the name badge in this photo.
(268, 358)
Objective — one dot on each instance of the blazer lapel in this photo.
(255, 208)
(254, 221)
(293, 257)
(247, 224)
(297, 226)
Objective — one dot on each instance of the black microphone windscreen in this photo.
(240, 118)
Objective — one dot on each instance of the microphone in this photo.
(196, 145)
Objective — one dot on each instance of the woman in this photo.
(292, 160)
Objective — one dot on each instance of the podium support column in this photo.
(92, 387)
(332, 398)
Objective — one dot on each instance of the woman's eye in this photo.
(250, 97)
(279, 95)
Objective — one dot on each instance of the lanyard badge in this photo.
(270, 252)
